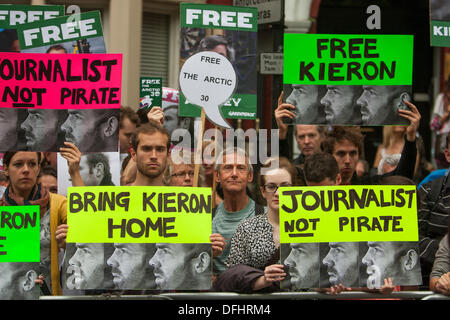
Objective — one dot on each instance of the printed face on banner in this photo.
(86, 266)
(341, 263)
(398, 260)
(302, 264)
(346, 64)
(17, 281)
(92, 130)
(96, 169)
(40, 127)
(361, 248)
(231, 33)
(130, 265)
(182, 266)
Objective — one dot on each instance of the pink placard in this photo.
(60, 81)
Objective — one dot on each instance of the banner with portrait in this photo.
(357, 236)
(149, 238)
(22, 244)
(339, 79)
(48, 99)
(231, 32)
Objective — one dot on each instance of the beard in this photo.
(156, 172)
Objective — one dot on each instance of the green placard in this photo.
(19, 234)
(59, 30)
(13, 15)
(239, 106)
(348, 214)
(219, 17)
(345, 59)
(440, 33)
(139, 214)
(150, 92)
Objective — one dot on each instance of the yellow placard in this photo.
(139, 214)
(348, 214)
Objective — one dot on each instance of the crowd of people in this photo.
(245, 237)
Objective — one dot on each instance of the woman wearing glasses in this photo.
(253, 262)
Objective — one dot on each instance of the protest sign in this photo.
(230, 31)
(440, 23)
(208, 80)
(48, 81)
(348, 213)
(347, 79)
(354, 235)
(19, 234)
(12, 16)
(150, 92)
(78, 33)
(139, 214)
(20, 252)
(348, 59)
(120, 237)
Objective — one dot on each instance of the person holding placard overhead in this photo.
(346, 145)
(22, 169)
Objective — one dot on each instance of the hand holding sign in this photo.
(208, 80)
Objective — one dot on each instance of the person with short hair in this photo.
(234, 172)
(41, 127)
(253, 262)
(56, 49)
(308, 137)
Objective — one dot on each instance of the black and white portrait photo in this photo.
(306, 99)
(182, 266)
(92, 130)
(129, 266)
(347, 104)
(380, 104)
(91, 45)
(302, 265)
(440, 10)
(45, 237)
(396, 260)
(84, 266)
(340, 105)
(340, 264)
(96, 169)
(41, 129)
(17, 281)
(9, 120)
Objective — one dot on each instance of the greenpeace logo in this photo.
(241, 114)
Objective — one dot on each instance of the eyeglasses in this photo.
(183, 174)
(272, 188)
